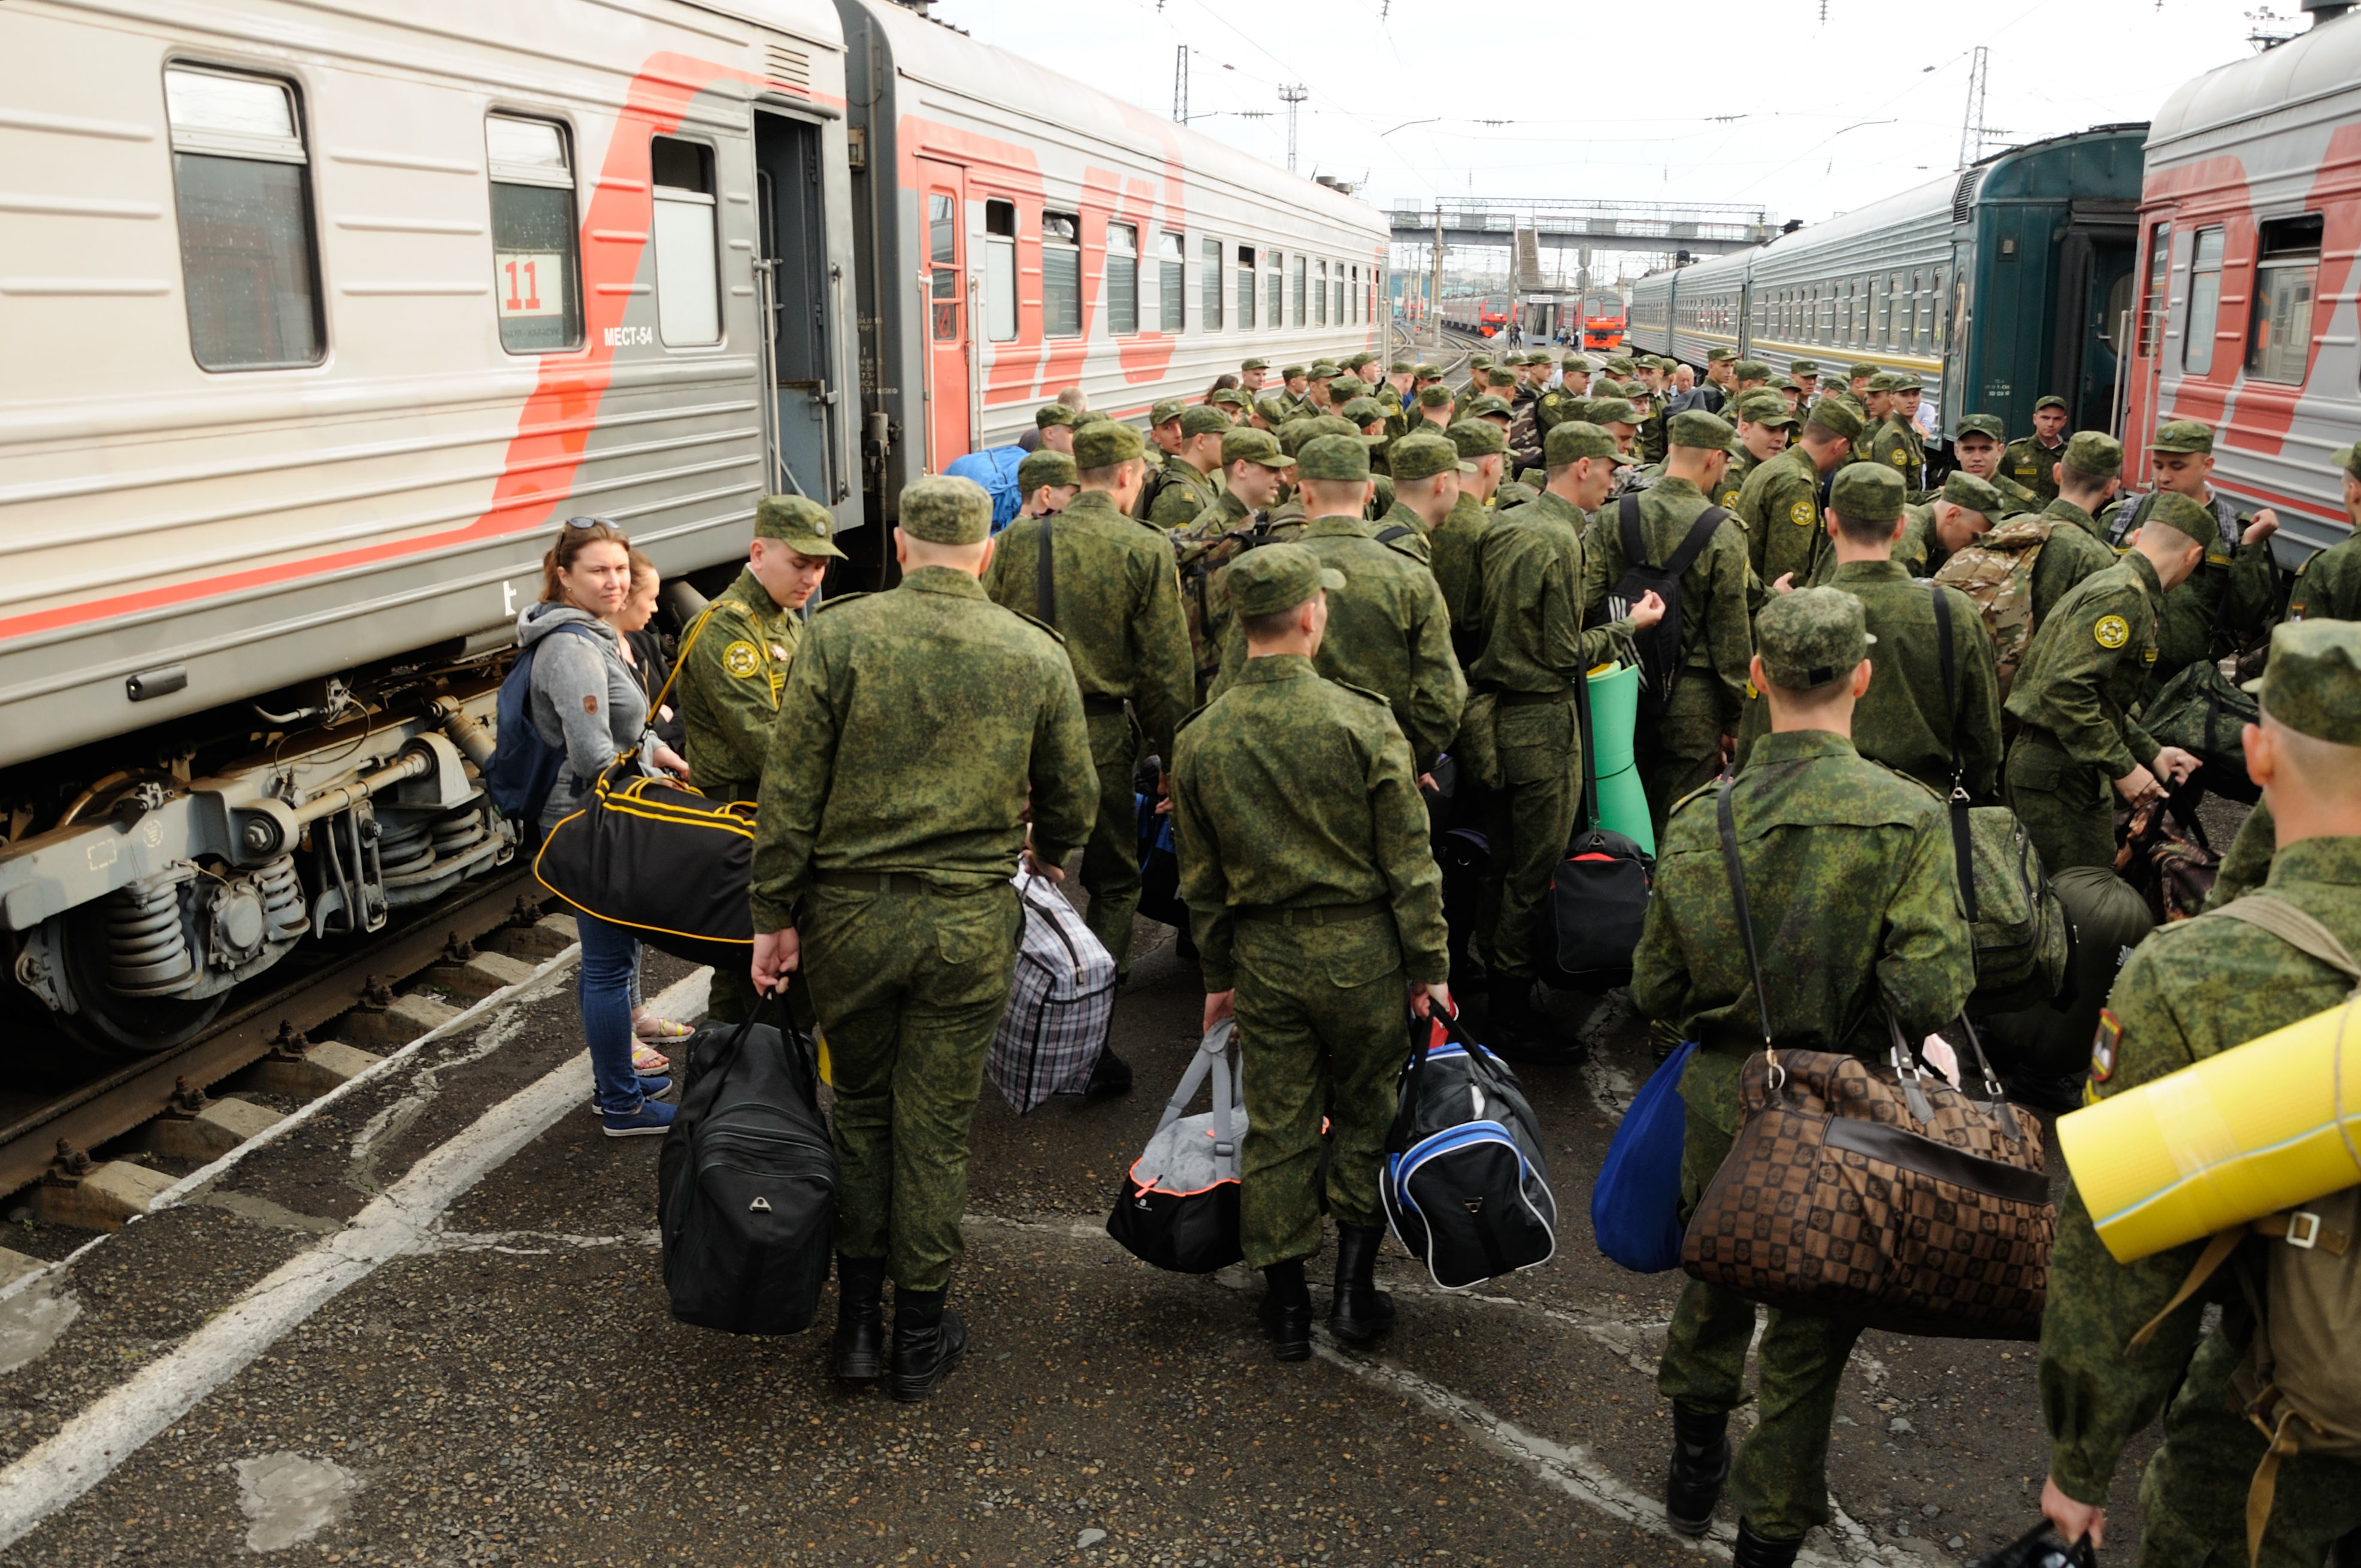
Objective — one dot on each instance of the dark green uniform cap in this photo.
(1716, 355)
(2183, 435)
(1694, 427)
(1361, 411)
(1577, 362)
(1574, 408)
(1045, 467)
(1479, 362)
(2312, 683)
(1866, 492)
(1422, 456)
(1613, 410)
(1767, 408)
(1752, 371)
(1985, 424)
(2049, 401)
(1168, 409)
(1256, 364)
(1436, 397)
(1296, 431)
(803, 526)
(2094, 453)
(1276, 577)
(1813, 636)
(1336, 458)
(1345, 389)
(1832, 415)
(1802, 367)
(1290, 373)
(1104, 445)
(1572, 440)
(1272, 408)
(2176, 510)
(942, 510)
(1782, 382)
(1243, 444)
(1334, 425)
(1488, 405)
(1399, 367)
(1859, 368)
(1203, 420)
(1357, 360)
(1500, 378)
(2346, 457)
(1621, 366)
(1883, 381)
(1964, 489)
(1049, 414)
(1479, 438)
(1907, 381)
(1325, 370)
(1427, 373)
(1231, 398)
(1090, 416)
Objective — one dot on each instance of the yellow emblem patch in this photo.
(1800, 514)
(1901, 458)
(742, 659)
(2112, 631)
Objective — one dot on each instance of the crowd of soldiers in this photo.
(1298, 597)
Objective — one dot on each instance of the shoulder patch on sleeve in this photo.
(742, 659)
(1800, 514)
(1901, 457)
(2106, 1045)
(2111, 631)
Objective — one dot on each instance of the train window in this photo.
(1336, 299)
(1123, 279)
(1902, 304)
(1173, 278)
(1245, 288)
(1276, 267)
(1000, 270)
(1320, 297)
(942, 264)
(1882, 311)
(688, 282)
(1358, 313)
(1302, 273)
(2204, 303)
(1208, 309)
(247, 256)
(2286, 274)
(2159, 273)
(536, 288)
(1061, 275)
(1922, 310)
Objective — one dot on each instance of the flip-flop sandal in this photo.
(649, 1062)
(654, 1030)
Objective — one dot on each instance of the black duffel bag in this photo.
(1179, 1204)
(2052, 1039)
(2202, 713)
(1599, 893)
(661, 860)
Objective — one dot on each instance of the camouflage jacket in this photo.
(2191, 991)
(1908, 721)
(2086, 667)
(1895, 446)
(1532, 636)
(1184, 492)
(1654, 442)
(1850, 876)
(1202, 550)
(1451, 550)
(1524, 429)
(727, 686)
(1388, 633)
(1780, 506)
(1733, 479)
(916, 729)
(1293, 792)
(1117, 604)
(2016, 572)
(2062, 508)
(2018, 497)
(1717, 626)
(2328, 585)
(1403, 532)
(2029, 463)
(2231, 595)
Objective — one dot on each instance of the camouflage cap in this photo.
(1985, 424)
(1479, 438)
(1716, 355)
(1203, 420)
(1255, 365)
(1576, 407)
(1427, 372)
(1754, 371)
(2184, 436)
(1799, 369)
(2094, 453)
(1783, 382)
(1167, 410)
(1243, 444)
(1399, 367)
(1276, 577)
(1694, 427)
(1767, 408)
(1045, 467)
(1883, 381)
(1334, 425)
(1860, 369)
(1813, 636)
(2346, 457)
(1049, 414)
(1090, 416)
(2175, 510)
(1490, 407)
(1339, 459)
(1578, 364)
(1866, 492)
(1423, 456)
(1230, 398)
(942, 510)
(1832, 415)
(1497, 377)
(1964, 489)
(1621, 366)
(1325, 370)
(1908, 382)
(2312, 683)
(1361, 411)
(1479, 362)
(1290, 373)
(1104, 445)
(2049, 401)
(1272, 408)
(803, 526)
(1572, 440)
(1357, 360)
(1296, 431)
(1436, 397)
(1613, 410)
(1345, 389)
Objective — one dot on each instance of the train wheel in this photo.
(113, 1023)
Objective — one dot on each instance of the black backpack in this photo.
(1658, 646)
(746, 1184)
(1465, 1180)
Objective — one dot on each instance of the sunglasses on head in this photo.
(590, 522)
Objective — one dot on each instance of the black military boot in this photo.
(928, 1342)
(1360, 1312)
(859, 1318)
(1516, 1030)
(1110, 1076)
(1761, 1551)
(1286, 1311)
(1700, 1465)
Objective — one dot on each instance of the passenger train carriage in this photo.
(321, 318)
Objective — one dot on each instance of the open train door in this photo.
(942, 285)
(2094, 290)
(797, 289)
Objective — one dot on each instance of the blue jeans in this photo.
(609, 956)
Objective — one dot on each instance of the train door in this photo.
(798, 291)
(2095, 291)
(942, 209)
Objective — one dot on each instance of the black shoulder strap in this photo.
(1700, 534)
(1045, 581)
(1727, 823)
(1589, 752)
(1964, 849)
(1627, 526)
(1388, 535)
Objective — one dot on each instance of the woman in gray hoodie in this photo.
(587, 703)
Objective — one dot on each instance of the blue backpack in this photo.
(996, 470)
(524, 767)
(1635, 1204)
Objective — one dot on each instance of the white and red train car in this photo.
(321, 318)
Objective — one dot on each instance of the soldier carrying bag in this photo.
(1874, 1194)
(1657, 648)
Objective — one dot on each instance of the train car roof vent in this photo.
(1963, 195)
(788, 69)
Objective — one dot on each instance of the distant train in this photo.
(1999, 284)
(1487, 315)
(1604, 322)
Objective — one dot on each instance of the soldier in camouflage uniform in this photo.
(1048, 481)
(1116, 602)
(1764, 428)
(2191, 991)
(1534, 647)
(1895, 446)
(1654, 442)
(1432, 409)
(1978, 447)
(2032, 460)
(1317, 907)
(1456, 542)
(884, 875)
(1850, 873)
(1296, 386)
(1387, 628)
(1752, 376)
(1252, 470)
(1253, 376)
(1473, 388)
(2328, 585)
(1053, 427)
(2083, 674)
(1318, 391)
(1164, 431)
(1427, 469)
(2234, 589)
(1783, 500)
(1185, 486)
(733, 663)
(2018, 570)
(1805, 374)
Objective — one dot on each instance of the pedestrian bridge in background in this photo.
(1700, 229)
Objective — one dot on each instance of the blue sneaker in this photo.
(650, 1088)
(652, 1118)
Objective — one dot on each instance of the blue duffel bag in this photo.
(1635, 1204)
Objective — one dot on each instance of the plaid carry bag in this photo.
(1059, 1005)
(1875, 1193)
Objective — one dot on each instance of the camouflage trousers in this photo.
(909, 988)
(1680, 750)
(1531, 822)
(1111, 855)
(1780, 1480)
(2068, 807)
(1321, 1029)
(2194, 1494)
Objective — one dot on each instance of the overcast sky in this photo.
(1754, 101)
